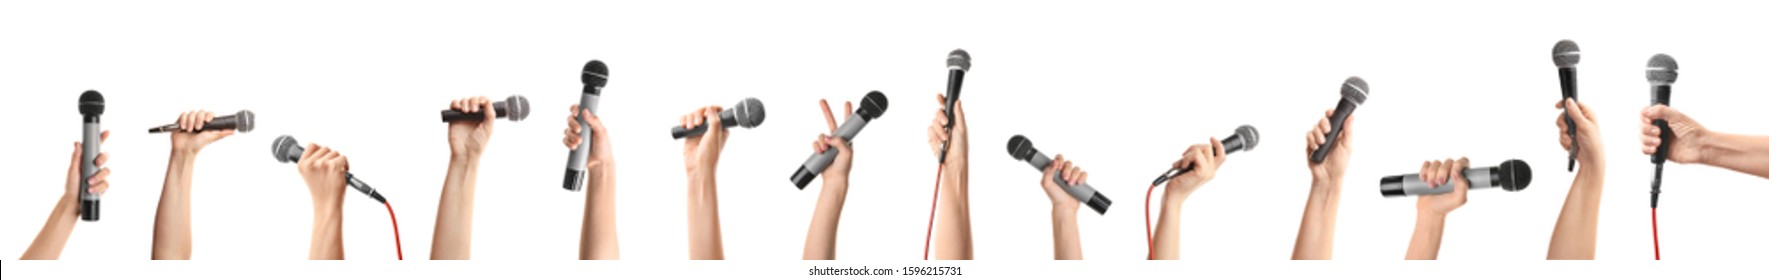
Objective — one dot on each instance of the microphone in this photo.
(286, 150)
(957, 63)
(91, 106)
(1021, 149)
(747, 114)
(1661, 72)
(1246, 137)
(1351, 95)
(595, 76)
(241, 122)
(514, 108)
(1512, 175)
(1566, 57)
(871, 107)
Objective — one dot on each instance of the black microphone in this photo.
(1566, 57)
(871, 107)
(1661, 72)
(957, 63)
(514, 108)
(1351, 95)
(286, 150)
(1021, 149)
(747, 114)
(1246, 137)
(595, 76)
(1512, 175)
(91, 106)
(241, 122)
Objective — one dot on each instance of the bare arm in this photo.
(467, 140)
(1428, 227)
(1693, 143)
(324, 171)
(54, 235)
(701, 155)
(820, 241)
(172, 239)
(1314, 241)
(952, 237)
(1575, 233)
(1203, 159)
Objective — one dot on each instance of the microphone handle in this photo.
(574, 165)
(1569, 89)
(456, 115)
(89, 150)
(814, 166)
(219, 123)
(1083, 192)
(727, 119)
(954, 82)
(1337, 122)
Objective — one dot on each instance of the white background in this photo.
(1121, 88)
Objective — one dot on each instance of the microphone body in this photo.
(1513, 175)
(1661, 72)
(242, 122)
(871, 107)
(91, 107)
(747, 114)
(1246, 137)
(287, 150)
(595, 75)
(515, 108)
(1352, 94)
(957, 63)
(1021, 148)
(1566, 58)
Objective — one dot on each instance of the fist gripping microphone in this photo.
(1512, 175)
(241, 122)
(957, 63)
(594, 77)
(1351, 95)
(514, 108)
(286, 150)
(1246, 137)
(1661, 71)
(91, 106)
(1021, 149)
(1566, 57)
(747, 114)
(872, 106)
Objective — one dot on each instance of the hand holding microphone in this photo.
(949, 136)
(1512, 175)
(1566, 58)
(1439, 175)
(1208, 156)
(469, 137)
(1059, 174)
(325, 170)
(196, 129)
(513, 108)
(600, 162)
(700, 153)
(747, 114)
(957, 64)
(844, 152)
(1584, 124)
(1021, 148)
(594, 77)
(871, 107)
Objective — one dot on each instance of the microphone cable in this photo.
(926, 241)
(1655, 233)
(399, 249)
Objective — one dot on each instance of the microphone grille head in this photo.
(91, 103)
(958, 60)
(1661, 69)
(285, 149)
(1249, 137)
(1019, 147)
(244, 121)
(516, 108)
(873, 105)
(1566, 54)
(595, 73)
(1355, 89)
(1516, 175)
(750, 112)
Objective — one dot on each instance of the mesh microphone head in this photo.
(285, 149)
(1020, 148)
(958, 60)
(873, 105)
(750, 112)
(1661, 70)
(91, 103)
(1515, 175)
(1566, 54)
(595, 74)
(1354, 89)
(1249, 137)
(244, 120)
(516, 108)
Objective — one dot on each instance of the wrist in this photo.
(1060, 213)
(1429, 218)
(463, 157)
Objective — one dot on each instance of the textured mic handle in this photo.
(89, 150)
(1569, 89)
(1338, 123)
(456, 115)
(727, 119)
(574, 164)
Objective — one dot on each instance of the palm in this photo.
(468, 136)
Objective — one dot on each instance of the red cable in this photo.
(1655, 233)
(398, 248)
(1148, 228)
(930, 212)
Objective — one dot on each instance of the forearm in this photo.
(599, 241)
(453, 239)
(56, 229)
(1314, 241)
(1575, 234)
(953, 239)
(1742, 153)
(1166, 246)
(820, 241)
(172, 237)
(1066, 232)
(704, 239)
(1427, 237)
(328, 232)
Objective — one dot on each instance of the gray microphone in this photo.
(242, 122)
(286, 150)
(1246, 137)
(1512, 175)
(595, 76)
(871, 107)
(747, 114)
(1021, 149)
(91, 106)
(514, 108)
(1661, 72)
(1566, 57)
(1351, 95)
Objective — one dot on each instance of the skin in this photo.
(600, 240)
(172, 238)
(1314, 241)
(1428, 227)
(1693, 143)
(700, 155)
(324, 171)
(1204, 160)
(952, 236)
(1575, 234)
(54, 235)
(1065, 231)
(453, 239)
(820, 240)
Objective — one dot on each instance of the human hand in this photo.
(601, 159)
(189, 138)
(1443, 173)
(701, 152)
(1071, 175)
(844, 156)
(1333, 168)
(98, 183)
(1203, 160)
(1687, 136)
(958, 140)
(469, 138)
(1590, 140)
(324, 170)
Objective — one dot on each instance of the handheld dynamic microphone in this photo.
(286, 150)
(957, 63)
(1246, 137)
(595, 76)
(1512, 175)
(1351, 95)
(871, 107)
(1021, 149)
(747, 114)
(1661, 72)
(241, 122)
(514, 108)
(91, 106)
(1566, 57)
